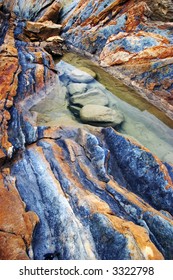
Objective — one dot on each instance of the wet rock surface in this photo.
(101, 115)
(87, 193)
(130, 37)
(90, 97)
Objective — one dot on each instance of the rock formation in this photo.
(124, 35)
(87, 192)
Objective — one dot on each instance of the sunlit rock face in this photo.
(86, 193)
(125, 36)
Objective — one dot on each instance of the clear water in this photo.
(143, 122)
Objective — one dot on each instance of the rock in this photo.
(98, 195)
(123, 36)
(31, 10)
(75, 110)
(79, 76)
(101, 115)
(77, 88)
(41, 30)
(55, 39)
(161, 9)
(88, 71)
(53, 47)
(16, 225)
(52, 12)
(91, 174)
(92, 96)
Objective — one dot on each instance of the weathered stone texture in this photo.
(88, 193)
(124, 35)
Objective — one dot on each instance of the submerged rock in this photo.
(101, 115)
(88, 71)
(124, 39)
(76, 88)
(80, 76)
(92, 96)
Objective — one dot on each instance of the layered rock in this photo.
(85, 180)
(41, 30)
(33, 10)
(25, 71)
(93, 193)
(16, 225)
(123, 36)
(161, 9)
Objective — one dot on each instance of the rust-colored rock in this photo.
(127, 40)
(52, 12)
(16, 225)
(41, 30)
(98, 194)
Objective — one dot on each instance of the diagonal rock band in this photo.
(81, 193)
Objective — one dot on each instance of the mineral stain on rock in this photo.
(71, 190)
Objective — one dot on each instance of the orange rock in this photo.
(41, 30)
(16, 225)
(136, 13)
(52, 12)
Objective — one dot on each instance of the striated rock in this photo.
(52, 12)
(98, 195)
(32, 9)
(100, 115)
(89, 177)
(25, 71)
(41, 30)
(16, 225)
(122, 35)
(92, 96)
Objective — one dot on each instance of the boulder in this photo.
(41, 30)
(79, 76)
(102, 115)
(75, 110)
(88, 71)
(76, 88)
(52, 12)
(92, 96)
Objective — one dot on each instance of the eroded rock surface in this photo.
(16, 225)
(125, 36)
(85, 180)
(88, 193)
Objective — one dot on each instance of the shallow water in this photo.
(143, 121)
